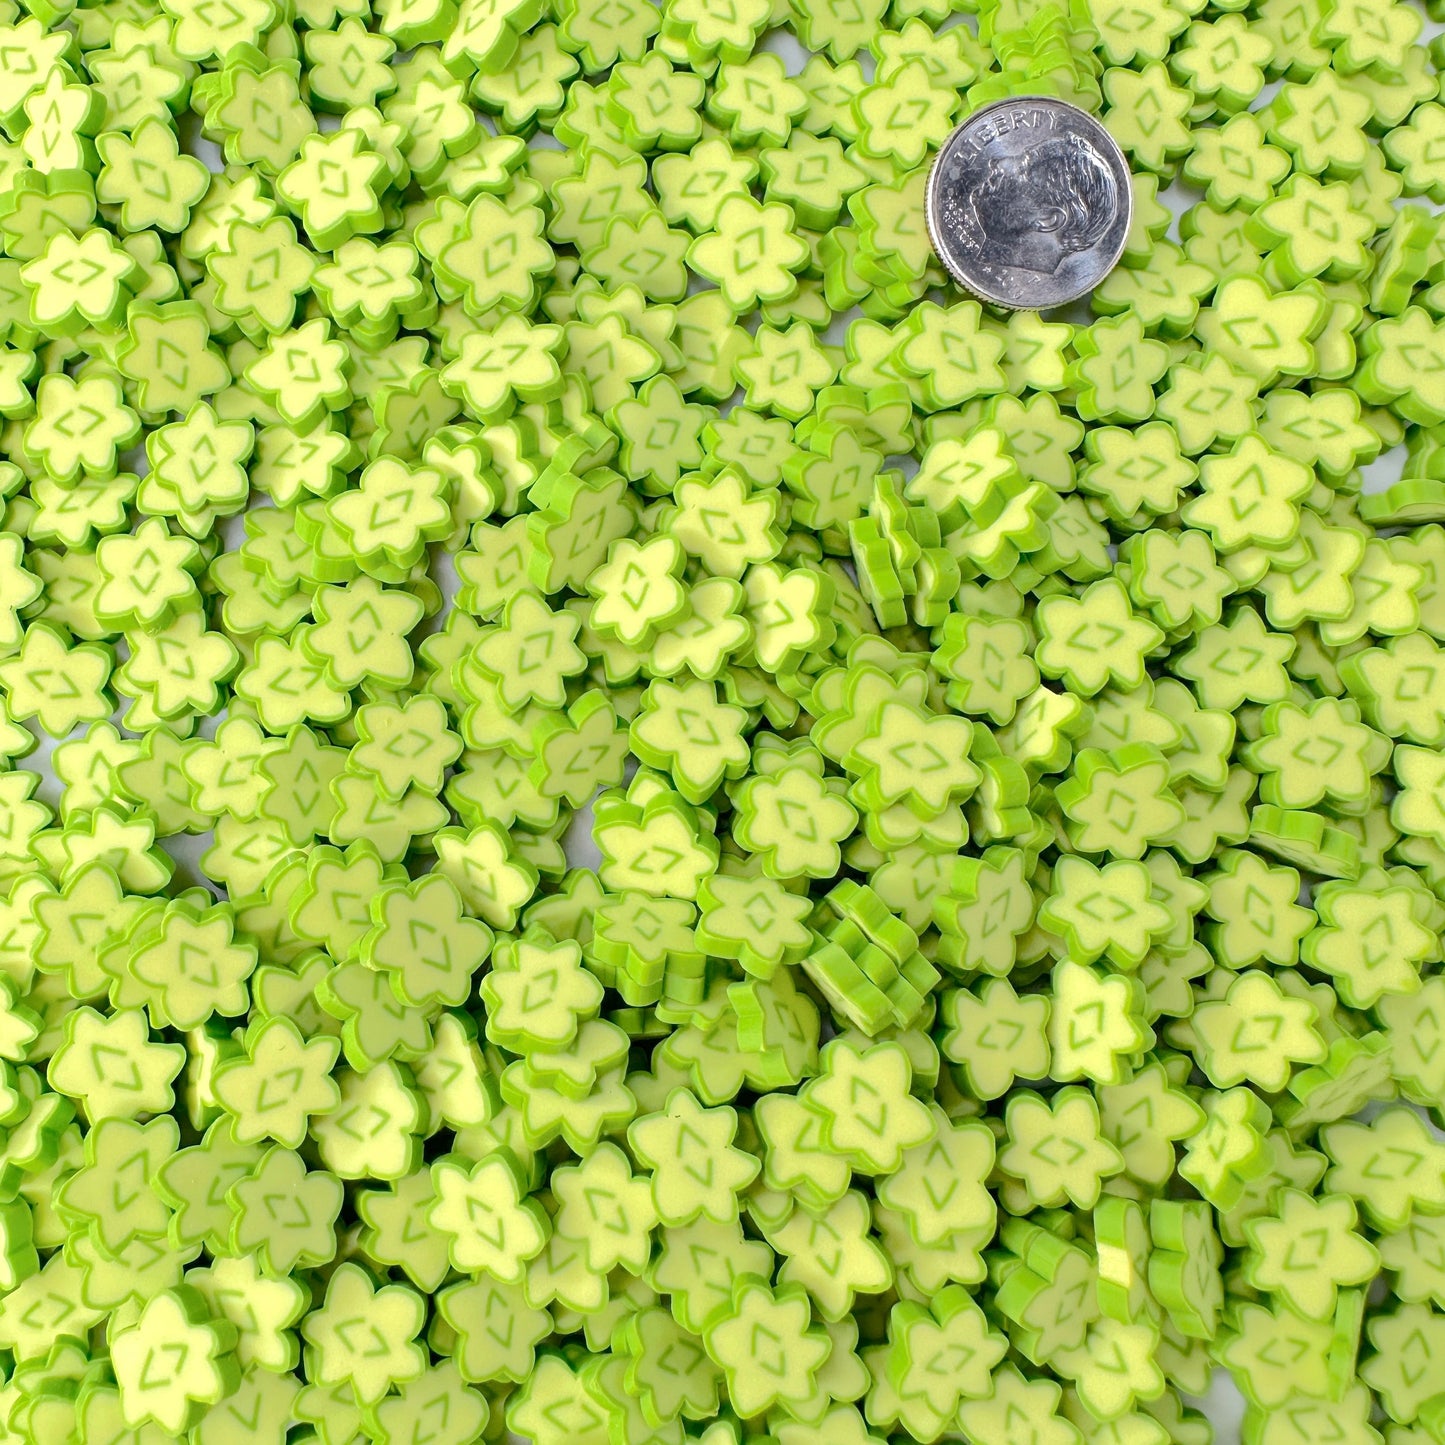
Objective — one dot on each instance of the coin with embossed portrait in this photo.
(1029, 203)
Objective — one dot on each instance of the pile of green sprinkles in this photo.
(1009, 989)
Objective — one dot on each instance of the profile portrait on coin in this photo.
(1029, 202)
(1034, 209)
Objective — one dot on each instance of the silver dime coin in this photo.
(1029, 203)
